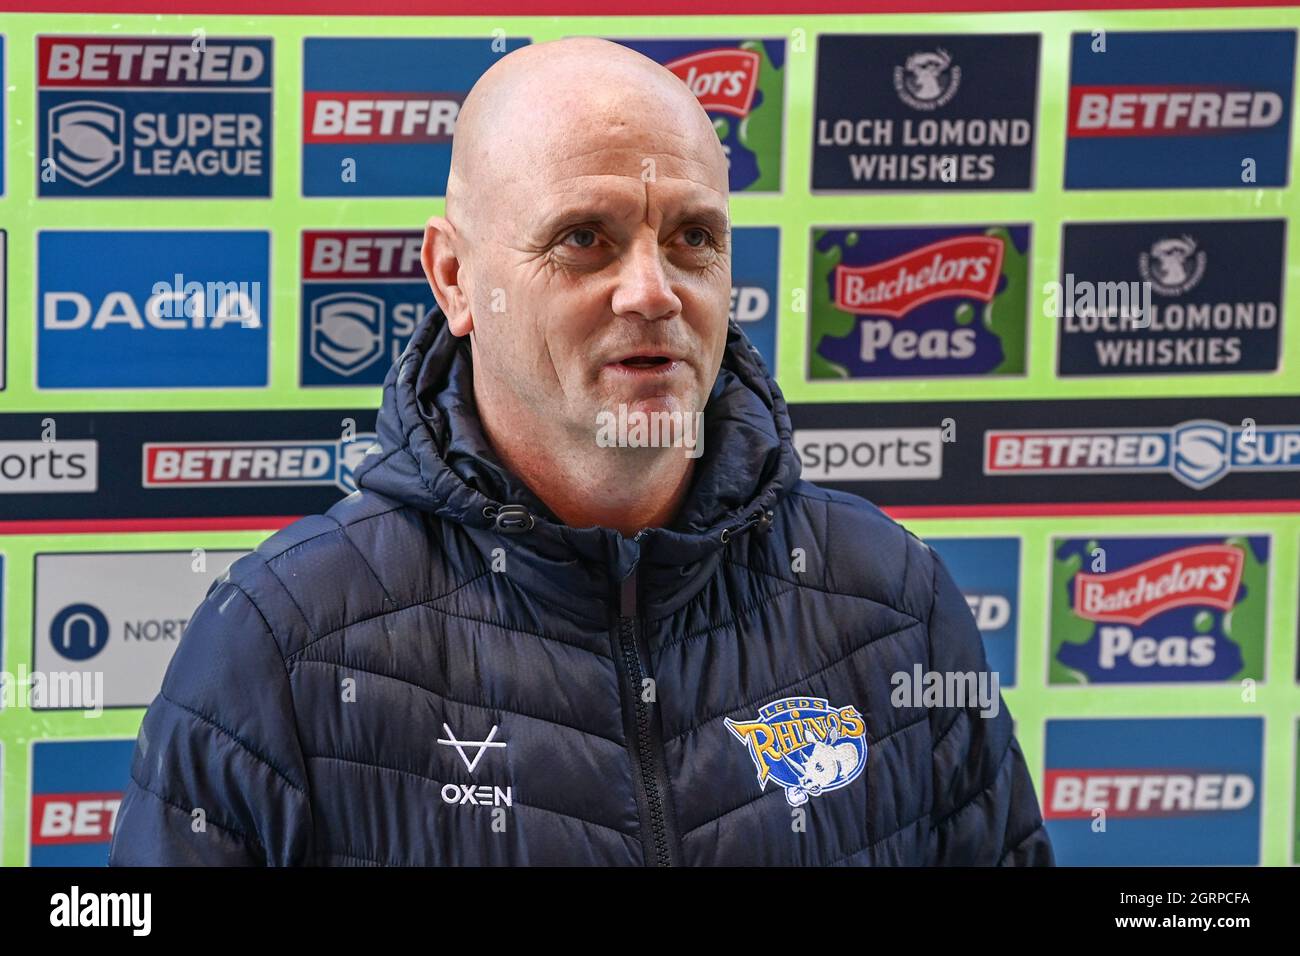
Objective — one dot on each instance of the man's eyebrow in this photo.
(552, 223)
(713, 217)
(555, 220)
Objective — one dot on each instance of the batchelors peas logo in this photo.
(723, 80)
(927, 80)
(805, 745)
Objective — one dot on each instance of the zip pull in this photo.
(627, 595)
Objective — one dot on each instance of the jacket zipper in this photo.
(643, 725)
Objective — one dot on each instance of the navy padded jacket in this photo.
(438, 672)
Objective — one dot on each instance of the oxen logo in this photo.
(927, 80)
(1173, 266)
(87, 141)
(805, 745)
(347, 331)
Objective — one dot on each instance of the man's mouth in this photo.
(645, 361)
(645, 364)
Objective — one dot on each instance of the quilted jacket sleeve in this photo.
(985, 810)
(218, 776)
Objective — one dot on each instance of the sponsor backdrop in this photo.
(1026, 279)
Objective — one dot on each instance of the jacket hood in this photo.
(433, 455)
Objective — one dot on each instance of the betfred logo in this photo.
(63, 818)
(1078, 794)
(363, 293)
(252, 464)
(77, 789)
(153, 116)
(360, 117)
(1170, 111)
(1206, 575)
(966, 266)
(362, 255)
(378, 114)
(724, 81)
(1197, 453)
(1180, 109)
(1154, 792)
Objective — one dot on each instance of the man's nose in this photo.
(644, 289)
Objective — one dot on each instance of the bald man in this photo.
(582, 610)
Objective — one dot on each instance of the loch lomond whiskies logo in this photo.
(927, 79)
(1148, 609)
(925, 112)
(1178, 296)
(917, 301)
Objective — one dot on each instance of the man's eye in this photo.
(584, 238)
(703, 235)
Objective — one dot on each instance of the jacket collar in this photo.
(432, 454)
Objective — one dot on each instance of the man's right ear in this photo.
(442, 269)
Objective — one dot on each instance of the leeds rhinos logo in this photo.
(805, 745)
(1197, 453)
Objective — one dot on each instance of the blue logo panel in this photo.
(1180, 109)
(1170, 791)
(152, 309)
(755, 265)
(988, 572)
(153, 116)
(378, 115)
(77, 789)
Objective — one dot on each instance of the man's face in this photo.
(602, 275)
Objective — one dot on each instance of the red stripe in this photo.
(603, 8)
(1066, 509)
(1060, 509)
(127, 525)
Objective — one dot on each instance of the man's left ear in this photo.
(442, 269)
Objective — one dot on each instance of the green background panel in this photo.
(796, 213)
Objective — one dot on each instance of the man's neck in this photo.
(584, 484)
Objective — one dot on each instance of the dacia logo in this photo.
(804, 745)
